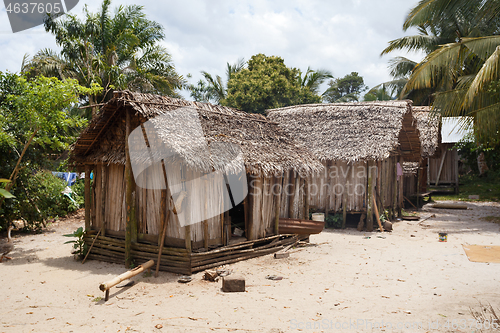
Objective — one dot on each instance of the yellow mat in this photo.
(482, 253)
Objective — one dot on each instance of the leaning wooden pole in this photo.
(128, 198)
(87, 197)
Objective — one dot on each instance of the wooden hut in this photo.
(443, 166)
(415, 173)
(362, 146)
(131, 217)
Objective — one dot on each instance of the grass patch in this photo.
(492, 219)
(488, 188)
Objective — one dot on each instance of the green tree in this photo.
(267, 83)
(120, 51)
(346, 89)
(377, 94)
(36, 113)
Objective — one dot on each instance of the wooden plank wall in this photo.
(449, 171)
(261, 205)
(148, 201)
(340, 178)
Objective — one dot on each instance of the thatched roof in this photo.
(352, 132)
(428, 127)
(263, 146)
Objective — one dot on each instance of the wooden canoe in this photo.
(300, 227)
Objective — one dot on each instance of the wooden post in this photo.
(418, 186)
(383, 179)
(87, 197)
(245, 212)
(345, 193)
(306, 198)
(377, 214)
(104, 203)
(395, 194)
(400, 189)
(327, 194)
(129, 199)
(291, 195)
(205, 234)
(277, 204)
(188, 237)
(369, 200)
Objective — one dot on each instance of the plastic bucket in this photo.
(318, 217)
(443, 236)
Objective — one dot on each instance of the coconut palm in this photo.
(465, 74)
(313, 79)
(119, 51)
(438, 22)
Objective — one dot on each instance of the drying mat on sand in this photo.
(482, 253)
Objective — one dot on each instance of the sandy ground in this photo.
(405, 281)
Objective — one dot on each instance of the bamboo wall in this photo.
(108, 204)
(449, 170)
(351, 180)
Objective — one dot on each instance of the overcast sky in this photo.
(341, 35)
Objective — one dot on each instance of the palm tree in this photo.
(119, 51)
(215, 90)
(465, 74)
(438, 22)
(313, 79)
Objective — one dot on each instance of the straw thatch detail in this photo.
(352, 132)
(229, 136)
(428, 127)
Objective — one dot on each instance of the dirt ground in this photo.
(402, 281)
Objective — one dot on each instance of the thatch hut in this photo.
(178, 200)
(362, 146)
(415, 173)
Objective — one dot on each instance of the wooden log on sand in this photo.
(127, 275)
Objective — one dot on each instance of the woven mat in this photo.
(482, 253)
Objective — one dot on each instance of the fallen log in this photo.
(127, 275)
(449, 206)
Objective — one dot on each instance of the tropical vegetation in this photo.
(116, 51)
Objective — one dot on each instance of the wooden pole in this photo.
(87, 197)
(345, 193)
(187, 237)
(128, 197)
(395, 188)
(104, 187)
(306, 198)
(418, 185)
(369, 201)
(327, 194)
(162, 242)
(127, 275)
(291, 195)
(377, 215)
(277, 206)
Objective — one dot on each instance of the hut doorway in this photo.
(238, 228)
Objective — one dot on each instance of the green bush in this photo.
(334, 221)
(39, 198)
